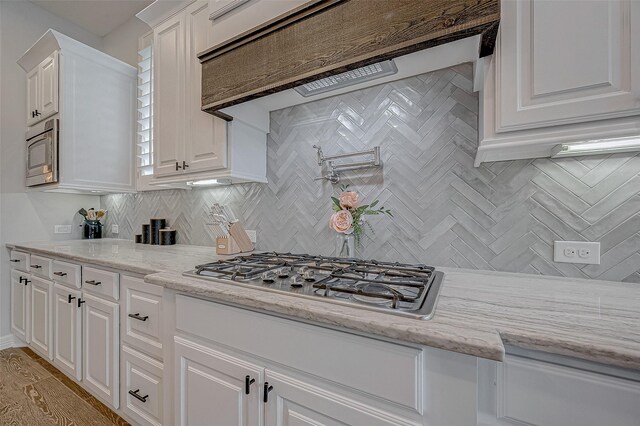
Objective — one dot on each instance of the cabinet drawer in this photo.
(66, 273)
(19, 260)
(142, 387)
(142, 315)
(102, 283)
(534, 392)
(40, 266)
(390, 371)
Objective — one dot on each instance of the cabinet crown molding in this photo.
(52, 40)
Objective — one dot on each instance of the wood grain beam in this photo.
(327, 37)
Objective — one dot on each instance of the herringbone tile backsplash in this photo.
(503, 216)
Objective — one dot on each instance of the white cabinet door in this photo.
(539, 393)
(33, 96)
(67, 330)
(551, 73)
(21, 305)
(293, 402)
(100, 335)
(168, 93)
(41, 327)
(206, 135)
(48, 87)
(211, 386)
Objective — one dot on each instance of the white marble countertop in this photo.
(478, 312)
(124, 255)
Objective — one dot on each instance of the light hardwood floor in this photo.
(34, 393)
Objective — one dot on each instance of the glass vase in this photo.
(346, 245)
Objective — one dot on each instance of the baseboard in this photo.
(10, 341)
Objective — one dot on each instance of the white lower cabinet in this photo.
(41, 324)
(142, 387)
(213, 385)
(101, 348)
(21, 305)
(67, 330)
(268, 371)
(141, 315)
(556, 391)
(289, 401)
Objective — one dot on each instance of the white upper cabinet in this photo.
(92, 95)
(187, 140)
(556, 67)
(48, 70)
(169, 108)
(189, 144)
(562, 72)
(33, 96)
(42, 90)
(207, 135)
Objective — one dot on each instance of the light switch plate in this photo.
(62, 229)
(576, 252)
(115, 229)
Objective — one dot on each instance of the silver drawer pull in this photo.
(138, 317)
(137, 396)
(14, 260)
(60, 274)
(93, 282)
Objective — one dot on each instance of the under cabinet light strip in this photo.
(600, 146)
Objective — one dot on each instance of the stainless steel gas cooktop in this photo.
(395, 288)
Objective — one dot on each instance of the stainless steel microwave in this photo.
(42, 153)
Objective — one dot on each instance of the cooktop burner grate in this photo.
(403, 289)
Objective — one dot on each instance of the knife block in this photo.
(237, 242)
(226, 246)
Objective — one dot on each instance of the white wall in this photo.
(122, 42)
(27, 216)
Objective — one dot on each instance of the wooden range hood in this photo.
(328, 37)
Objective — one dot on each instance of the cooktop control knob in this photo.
(296, 281)
(283, 272)
(268, 277)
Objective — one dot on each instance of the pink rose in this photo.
(341, 221)
(349, 200)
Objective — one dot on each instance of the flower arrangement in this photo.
(349, 214)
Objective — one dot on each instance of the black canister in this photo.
(167, 237)
(138, 238)
(156, 226)
(146, 233)
(92, 229)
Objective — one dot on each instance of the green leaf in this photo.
(374, 203)
(336, 202)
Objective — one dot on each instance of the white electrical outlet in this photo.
(115, 229)
(253, 235)
(62, 229)
(576, 252)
